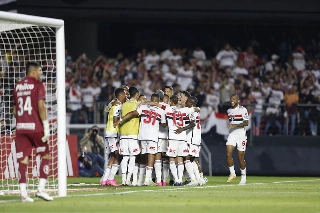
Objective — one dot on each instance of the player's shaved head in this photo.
(235, 95)
(155, 97)
(194, 100)
(133, 91)
(174, 99)
(118, 92)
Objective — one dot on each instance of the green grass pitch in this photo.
(261, 194)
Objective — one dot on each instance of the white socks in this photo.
(41, 184)
(189, 169)
(231, 169)
(113, 172)
(243, 175)
(180, 171)
(135, 174)
(132, 162)
(196, 170)
(142, 171)
(157, 169)
(23, 189)
(148, 174)
(173, 170)
(165, 171)
(124, 168)
(106, 174)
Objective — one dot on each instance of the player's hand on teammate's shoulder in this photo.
(115, 124)
(196, 109)
(230, 126)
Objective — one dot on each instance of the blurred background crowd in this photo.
(281, 89)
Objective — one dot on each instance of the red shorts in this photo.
(25, 142)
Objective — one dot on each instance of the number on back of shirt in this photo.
(151, 117)
(24, 106)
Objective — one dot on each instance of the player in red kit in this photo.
(32, 128)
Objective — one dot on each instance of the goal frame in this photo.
(58, 24)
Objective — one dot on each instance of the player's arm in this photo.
(196, 109)
(163, 119)
(14, 111)
(151, 103)
(244, 123)
(42, 109)
(14, 108)
(116, 114)
(43, 116)
(128, 116)
(112, 103)
(191, 125)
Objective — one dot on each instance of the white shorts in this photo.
(149, 147)
(112, 144)
(194, 150)
(129, 146)
(238, 139)
(177, 148)
(183, 149)
(162, 145)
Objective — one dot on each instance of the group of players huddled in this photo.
(160, 137)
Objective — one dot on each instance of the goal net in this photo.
(22, 41)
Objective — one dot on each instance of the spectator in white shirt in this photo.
(75, 102)
(96, 90)
(213, 99)
(87, 99)
(315, 70)
(274, 99)
(185, 76)
(199, 56)
(259, 97)
(165, 54)
(175, 58)
(240, 69)
(226, 57)
(271, 64)
(298, 59)
(152, 60)
(170, 77)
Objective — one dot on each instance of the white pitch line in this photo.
(172, 189)
(296, 181)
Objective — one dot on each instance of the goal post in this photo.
(24, 38)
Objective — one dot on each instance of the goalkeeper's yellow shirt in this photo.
(130, 127)
(110, 130)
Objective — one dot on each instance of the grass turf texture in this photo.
(261, 194)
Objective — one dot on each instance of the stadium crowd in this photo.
(271, 86)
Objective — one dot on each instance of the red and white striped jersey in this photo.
(248, 59)
(177, 117)
(194, 134)
(237, 116)
(151, 117)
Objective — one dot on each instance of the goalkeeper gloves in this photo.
(46, 131)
